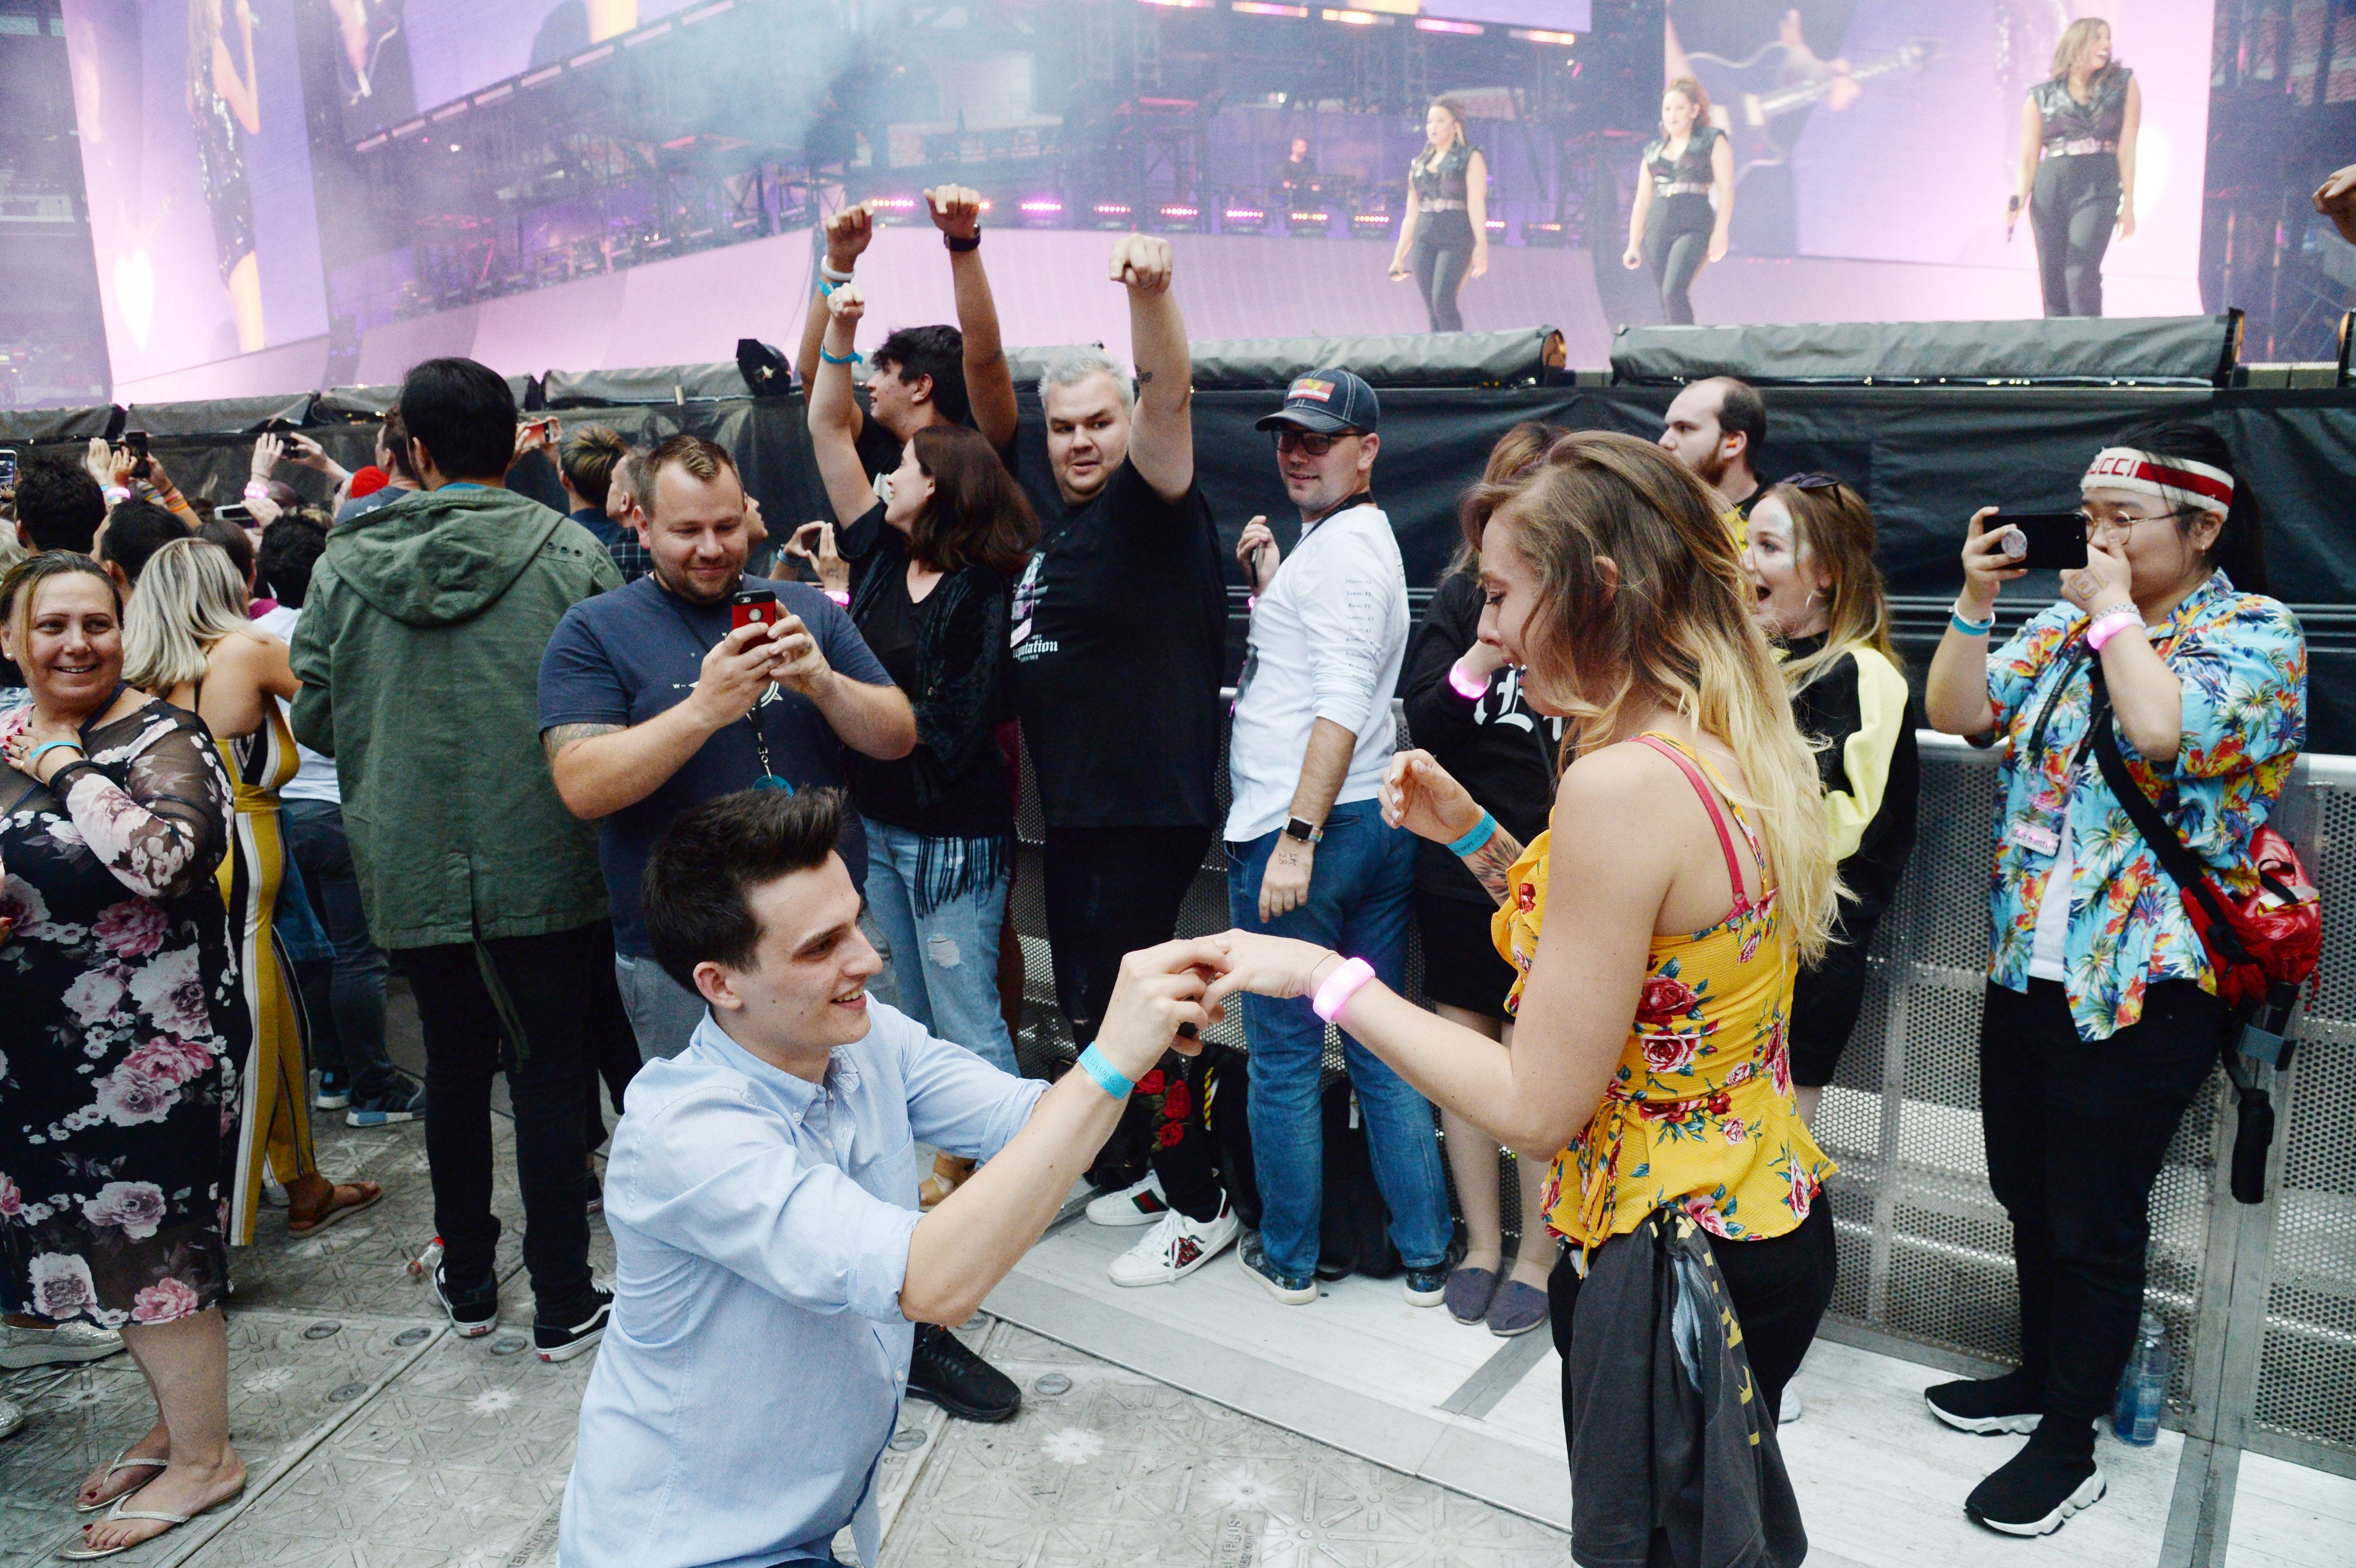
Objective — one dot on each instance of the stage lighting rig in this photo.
(1241, 214)
(1112, 215)
(1178, 217)
(897, 210)
(1040, 212)
(1545, 235)
(1307, 219)
(1370, 226)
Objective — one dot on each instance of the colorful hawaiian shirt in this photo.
(2242, 662)
(1698, 1115)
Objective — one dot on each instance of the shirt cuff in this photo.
(881, 1268)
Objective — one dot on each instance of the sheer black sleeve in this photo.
(167, 826)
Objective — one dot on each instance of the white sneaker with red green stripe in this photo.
(1138, 1203)
(1174, 1248)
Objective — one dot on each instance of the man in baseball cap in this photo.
(1312, 739)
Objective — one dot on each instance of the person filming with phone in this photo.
(2101, 1020)
(697, 681)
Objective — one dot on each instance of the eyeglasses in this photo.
(1811, 482)
(1309, 442)
(2122, 525)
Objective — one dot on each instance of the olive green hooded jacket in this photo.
(419, 653)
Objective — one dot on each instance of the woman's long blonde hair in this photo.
(1675, 629)
(2075, 41)
(1833, 527)
(190, 597)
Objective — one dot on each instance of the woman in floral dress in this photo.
(117, 1097)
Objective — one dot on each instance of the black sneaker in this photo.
(943, 1372)
(562, 1342)
(1426, 1287)
(2008, 1403)
(335, 1092)
(1293, 1292)
(2035, 1491)
(474, 1312)
(404, 1103)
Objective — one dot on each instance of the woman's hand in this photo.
(1632, 258)
(1987, 569)
(1482, 659)
(1399, 266)
(27, 731)
(1480, 258)
(2099, 585)
(1718, 245)
(1266, 965)
(1162, 991)
(1258, 553)
(267, 450)
(304, 453)
(110, 466)
(814, 542)
(1420, 795)
(2126, 218)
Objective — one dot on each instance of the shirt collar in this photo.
(798, 1095)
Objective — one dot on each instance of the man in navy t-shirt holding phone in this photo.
(696, 681)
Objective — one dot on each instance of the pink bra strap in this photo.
(1709, 802)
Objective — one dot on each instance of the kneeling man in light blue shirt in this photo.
(762, 1195)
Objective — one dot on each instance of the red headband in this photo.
(2179, 480)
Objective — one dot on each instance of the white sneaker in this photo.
(1138, 1203)
(57, 1345)
(1789, 1411)
(1176, 1248)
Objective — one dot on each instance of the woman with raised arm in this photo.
(1444, 235)
(932, 572)
(1688, 846)
(1684, 199)
(188, 640)
(119, 989)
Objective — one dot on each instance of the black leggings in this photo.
(2071, 210)
(2076, 1131)
(1780, 1288)
(1442, 255)
(1675, 252)
(1111, 890)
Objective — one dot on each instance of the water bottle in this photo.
(2144, 1388)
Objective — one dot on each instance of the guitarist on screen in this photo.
(1728, 44)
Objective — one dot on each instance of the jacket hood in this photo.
(444, 556)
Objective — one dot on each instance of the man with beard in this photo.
(1716, 428)
(651, 704)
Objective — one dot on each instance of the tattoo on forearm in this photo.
(1144, 378)
(553, 740)
(1492, 861)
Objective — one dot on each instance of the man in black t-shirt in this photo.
(1119, 628)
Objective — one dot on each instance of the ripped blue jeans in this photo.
(941, 904)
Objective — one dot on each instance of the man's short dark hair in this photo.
(394, 439)
(291, 548)
(702, 459)
(699, 880)
(464, 414)
(136, 531)
(59, 505)
(233, 543)
(588, 459)
(934, 351)
(1742, 412)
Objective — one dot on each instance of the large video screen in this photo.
(1890, 130)
(197, 159)
(402, 58)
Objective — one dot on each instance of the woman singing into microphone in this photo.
(1685, 198)
(2077, 166)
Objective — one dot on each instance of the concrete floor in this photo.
(1199, 1424)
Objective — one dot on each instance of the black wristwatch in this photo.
(954, 243)
(1302, 831)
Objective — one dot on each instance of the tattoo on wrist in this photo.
(1492, 861)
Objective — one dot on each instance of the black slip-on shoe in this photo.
(1987, 1405)
(2035, 1491)
(474, 1310)
(943, 1372)
(577, 1331)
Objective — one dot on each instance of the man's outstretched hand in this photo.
(1140, 261)
(847, 234)
(955, 209)
(1159, 989)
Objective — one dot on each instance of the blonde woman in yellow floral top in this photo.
(2101, 1011)
(1648, 1061)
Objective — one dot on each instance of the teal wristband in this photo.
(53, 745)
(1971, 628)
(1483, 831)
(850, 358)
(1109, 1077)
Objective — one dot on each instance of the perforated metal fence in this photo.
(2260, 1303)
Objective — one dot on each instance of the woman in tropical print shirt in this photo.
(2099, 1011)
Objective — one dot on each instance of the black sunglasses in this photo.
(1813, 482)
(1314, 444)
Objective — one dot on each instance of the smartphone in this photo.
(235, 512)
(753, 607)
(2056, 541)
(7, 468)
(136, 442)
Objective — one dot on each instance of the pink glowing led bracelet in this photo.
(1464, 683)
(1339, 987)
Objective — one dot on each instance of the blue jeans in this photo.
(1358, 902)
(944, 946)
(314, 837)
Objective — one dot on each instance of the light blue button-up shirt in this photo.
(754, 1366)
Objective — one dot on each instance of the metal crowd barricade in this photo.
(2260, 1301)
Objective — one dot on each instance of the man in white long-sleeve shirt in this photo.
(1308, 853)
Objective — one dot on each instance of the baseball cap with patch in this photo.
(1326, 401)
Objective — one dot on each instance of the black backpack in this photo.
(1354, 1231)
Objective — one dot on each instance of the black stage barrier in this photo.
(2159, 350)
(1924, 458)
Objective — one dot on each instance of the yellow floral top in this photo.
(1699, 1113)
